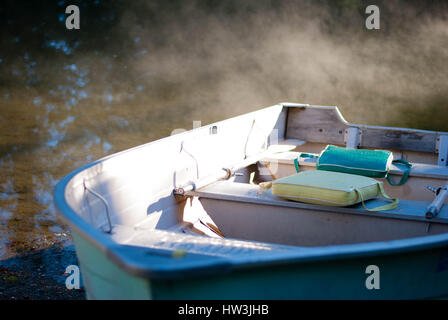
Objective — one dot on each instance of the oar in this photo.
(436, 205)
(227, 173)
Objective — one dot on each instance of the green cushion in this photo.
(369, 163)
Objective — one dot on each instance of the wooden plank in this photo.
(241, 192)
(326, 125)
(316, 124)
(418, 169)
(394, 138)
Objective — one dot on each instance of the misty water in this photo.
(135, 72)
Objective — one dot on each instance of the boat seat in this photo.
(249, 193)
(418, 169)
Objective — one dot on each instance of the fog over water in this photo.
(135, 71)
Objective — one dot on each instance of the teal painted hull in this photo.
(417, 275)
(103, 279)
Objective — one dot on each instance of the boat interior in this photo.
(134, 198)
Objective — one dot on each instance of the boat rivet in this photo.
(178, 253)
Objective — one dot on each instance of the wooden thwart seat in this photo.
(418, 169)
(248, 193)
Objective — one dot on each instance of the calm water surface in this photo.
(67, 99)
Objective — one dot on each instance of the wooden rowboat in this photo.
(180, 218)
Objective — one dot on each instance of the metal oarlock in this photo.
(106, 204)
(227, 173)
(436, 205)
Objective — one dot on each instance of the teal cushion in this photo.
(370, 163)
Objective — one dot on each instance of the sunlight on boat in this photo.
(206, 245)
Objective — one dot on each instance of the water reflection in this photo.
(61, 106)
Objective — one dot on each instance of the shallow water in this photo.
(64, 102)
(70, 97)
